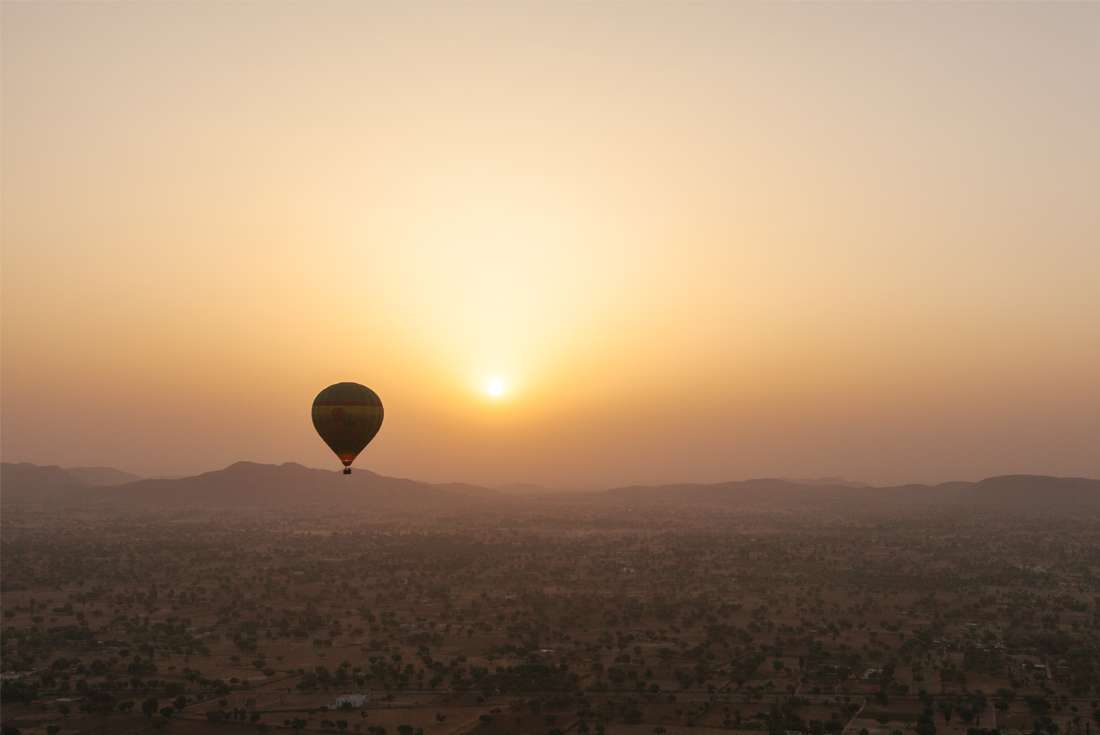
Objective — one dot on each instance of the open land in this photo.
(549, 617)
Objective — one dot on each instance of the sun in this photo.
(495, 387)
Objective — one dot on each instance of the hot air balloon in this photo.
(347, 416)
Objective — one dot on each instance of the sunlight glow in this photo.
(495, 387)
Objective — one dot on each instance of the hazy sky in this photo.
(693, 241)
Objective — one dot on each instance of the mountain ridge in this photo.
(255, 484)
(1030, 494)
(240, 484)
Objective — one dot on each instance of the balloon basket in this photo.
(347, 470)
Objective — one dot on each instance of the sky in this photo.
(576, 244)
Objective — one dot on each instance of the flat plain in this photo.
(549, 615)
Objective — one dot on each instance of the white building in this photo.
(351, 700)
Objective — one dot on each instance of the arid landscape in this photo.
(421, 367)
(768, 606)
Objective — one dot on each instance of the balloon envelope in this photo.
(347, 416)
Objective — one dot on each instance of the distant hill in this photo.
(249, 484)
(1036, 493)
(101, 476)
(825, 481)
(23, 481)
(1017, 494)
(243, 484)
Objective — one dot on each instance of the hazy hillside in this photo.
(248, 484)
(20, 481)
(1036, 493)
(101, 476)
(23, 481)
(1027, 494)
(241, 484)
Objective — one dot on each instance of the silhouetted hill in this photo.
(825, 481)
(1018, 494)
(248, 484)
(243, 484)
(1037, 493)
(101, 476)
(21, 481)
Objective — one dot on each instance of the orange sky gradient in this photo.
(694, 241)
